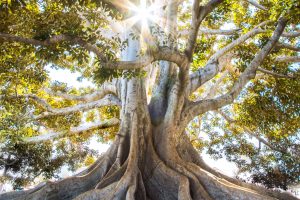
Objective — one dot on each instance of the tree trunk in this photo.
(147, 161)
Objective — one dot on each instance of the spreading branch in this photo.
(288, 46)
(34, 97)
(199, 107)
(151, 56)
(206, 31)
(219, 31)
(99, 94)
(291, 34)
(214, 88)
(73, 130)
(53, 40)
(256, 30)
(202, 75)
(56, 39)
(154, 54)
(288, 59)
(274, 73)
(108, 100)
(211, 69)
(198, 15)
(257, 5)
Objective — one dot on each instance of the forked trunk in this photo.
(147, 162)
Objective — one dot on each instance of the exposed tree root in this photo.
(144, 175)
(198, 166)
(69, 187)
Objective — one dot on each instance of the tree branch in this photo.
(288, 46)
(212, 31)
(256, 30)
(160, 53)
(274, 74)
(291, 34)
(202, 75)
(34, 97)
(211, 69)
(214, 88)
(198, 15)
(99, 94)
(157, 54)
(288, 59)
(73, 130)
(257, 5)
(219, 31)
(55, 39)
(108, 100)
(199, 107)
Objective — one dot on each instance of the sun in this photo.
(143, 17)
(143, 13)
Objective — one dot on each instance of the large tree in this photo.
(157, 65)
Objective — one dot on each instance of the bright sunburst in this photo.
(143, 13)
(139, 13)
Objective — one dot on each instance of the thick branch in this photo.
(219, 32)
(141, 62)
(196, 108)
(209, 71)
(73, 130)
(256, 30)
(34, 97)
(161, 53)
(213, 31)
(99, 94)
(274, 74)
(288, 46)
(202, 75)
(158, 54)
(109, 100)
(170, 55)
(56, 39)
(291, 34)
(198, 15)
(257, 5)
(288, 59)
(214, 88)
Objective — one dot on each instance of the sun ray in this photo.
(142, 17)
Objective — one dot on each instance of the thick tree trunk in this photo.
(146, 161)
